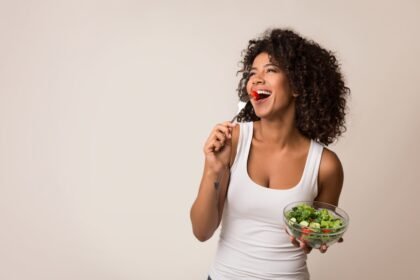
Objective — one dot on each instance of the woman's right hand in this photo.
(217, 149)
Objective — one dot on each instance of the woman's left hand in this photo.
(306, 248)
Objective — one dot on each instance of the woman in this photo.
(274, 155)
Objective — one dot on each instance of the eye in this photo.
(271, 70)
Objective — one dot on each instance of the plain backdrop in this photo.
(105, 107)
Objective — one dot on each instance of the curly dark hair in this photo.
(313, 74)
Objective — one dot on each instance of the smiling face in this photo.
(268, 88)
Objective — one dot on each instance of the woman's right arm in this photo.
(219, 151)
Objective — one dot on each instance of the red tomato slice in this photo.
(306, 231)
(255, 95)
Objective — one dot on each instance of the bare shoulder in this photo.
(330, 164)
(235, 139)
(330, 177)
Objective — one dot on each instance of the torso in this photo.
(252, 237)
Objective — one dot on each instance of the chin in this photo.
(262, 115)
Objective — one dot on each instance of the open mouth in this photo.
(260, 94)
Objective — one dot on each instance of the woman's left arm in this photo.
(330, 183)
(330, 178)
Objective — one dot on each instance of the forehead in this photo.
(261, 59)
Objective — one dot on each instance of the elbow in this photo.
(202, 236)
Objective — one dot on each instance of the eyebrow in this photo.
(268, 64)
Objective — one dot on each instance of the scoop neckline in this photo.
(258, 186)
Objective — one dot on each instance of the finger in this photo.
(219, 136)
(226, 128)
(215, 136)
(220, 141)
(221, 131)
(307, 249)
(294, 241)
(210, 146)
(230, 124)
(217, 145)
(323, 248)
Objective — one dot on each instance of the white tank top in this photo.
(253, 243)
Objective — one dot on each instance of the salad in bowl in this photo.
(315, 223)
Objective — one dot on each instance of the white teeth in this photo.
(263, 92)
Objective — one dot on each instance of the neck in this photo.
(279, 131)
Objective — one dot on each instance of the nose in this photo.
(256, 79)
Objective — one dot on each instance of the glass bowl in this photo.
(315, 223)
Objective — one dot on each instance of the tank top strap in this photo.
(245, 132)
(310, 179)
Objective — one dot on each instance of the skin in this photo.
(276, 145)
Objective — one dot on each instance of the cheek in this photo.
(282, 86)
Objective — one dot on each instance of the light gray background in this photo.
(105, 107)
